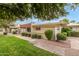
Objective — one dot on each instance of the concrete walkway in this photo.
(66, 48)
(74, 42)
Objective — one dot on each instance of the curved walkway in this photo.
(66, 48)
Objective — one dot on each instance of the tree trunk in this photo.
(5, 31)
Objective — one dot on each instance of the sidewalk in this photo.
(61, 48)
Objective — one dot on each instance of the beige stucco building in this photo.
(24, 28)
(75, 27)
(40, 29)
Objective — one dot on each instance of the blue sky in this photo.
(72, 15)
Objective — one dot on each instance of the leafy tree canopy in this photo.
(43, 11)
(12, 11)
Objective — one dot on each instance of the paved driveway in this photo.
(74, 42)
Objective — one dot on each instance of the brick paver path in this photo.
(65, 48)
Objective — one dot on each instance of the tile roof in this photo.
(25, 25)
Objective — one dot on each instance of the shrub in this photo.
(24, 34)
(61, 36)
(49, 34)
(4, 33)
(68, 30)
(14, 32)
(29, 35)
(34, 35)
(75, 34)
(39, 36)
(64, 33)
(69, 33)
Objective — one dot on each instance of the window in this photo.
(38, 28)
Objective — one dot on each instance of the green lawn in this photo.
(12, 46)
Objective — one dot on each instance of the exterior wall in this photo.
(24, 30)
(75, 28)
(13, 30)
(41, 32)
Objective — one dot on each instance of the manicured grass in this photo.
(12, 46)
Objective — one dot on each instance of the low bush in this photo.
(4, 33)
(75, 34)
(39, 36)
(68, 30)
(14, 32)
(24, 34)
(36, 36)
(49, 34)
(29, 35)
(64, 33)
(61, 36)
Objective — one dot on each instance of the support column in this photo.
(56, 31)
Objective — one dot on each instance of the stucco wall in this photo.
(42, 30)
(24, 30)
(75, 28)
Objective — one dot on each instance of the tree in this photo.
(4, 24)
(47, 11)
(72, 21)
(65, 20)
(77, 22)
(10, 12)
(43, 11)
(13, 11)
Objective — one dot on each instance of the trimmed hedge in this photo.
(49, 34)
(61, 36)
(75, 34)
(26, 34)
(39, 37)
(36, 36)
